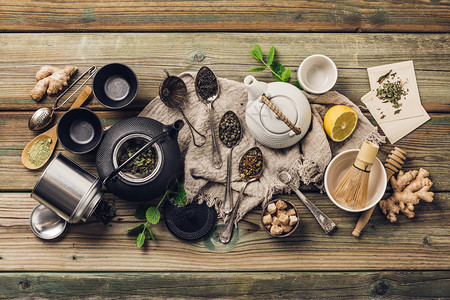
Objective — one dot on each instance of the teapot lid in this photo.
(271, 121)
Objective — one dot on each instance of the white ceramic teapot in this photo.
(270, 128)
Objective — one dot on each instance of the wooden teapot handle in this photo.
(291, 125)
(393, 164)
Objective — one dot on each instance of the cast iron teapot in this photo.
(143, 134)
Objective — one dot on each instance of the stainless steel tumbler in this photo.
(68, 190)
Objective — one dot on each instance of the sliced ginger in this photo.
(409, 188)
(51, 80)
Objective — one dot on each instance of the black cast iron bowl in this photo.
(115, 85)
(79, 130)
(169, 160)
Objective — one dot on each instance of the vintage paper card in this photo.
(395, 130)
(396, 93)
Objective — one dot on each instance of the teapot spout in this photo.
(255, 88)
(174, 128)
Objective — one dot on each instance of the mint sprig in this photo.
(152, 215)
(279, 72)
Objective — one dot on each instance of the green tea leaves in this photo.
(140, 239)
(279, 72)
(151, 234)
(136, 228)
(257, 52)
(153, 215)
(258, 69)
(271, 55)
(141, 211)
(180, 196)
(286, 74)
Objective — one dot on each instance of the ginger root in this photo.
(51, 80)
(409, 188)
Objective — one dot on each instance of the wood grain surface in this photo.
(235, 285)
(228, 54)
(406, 259)
(238, 15)
(423, 243)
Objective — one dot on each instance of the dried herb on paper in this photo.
(392, 90)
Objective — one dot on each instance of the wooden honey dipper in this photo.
(393, 164)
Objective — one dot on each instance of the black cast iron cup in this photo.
(115, 85)
(79, 130)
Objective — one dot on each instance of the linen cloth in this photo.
(306, 161)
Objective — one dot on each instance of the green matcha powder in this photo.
(39, 151)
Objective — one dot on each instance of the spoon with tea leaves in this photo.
(325, 222)
(230, 135)
(172, 93)
(37, 152)
(207, 89)
(250, 168)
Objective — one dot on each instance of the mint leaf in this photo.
(151, 234)
(278, 69)
(257, 69)
(180, 196)
(141, 210)
(257, 52)
(286, 74)
(153, 215)
(140, 239)
(271, 55)
(297, 84)
(135, 228)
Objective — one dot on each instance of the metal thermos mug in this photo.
(68, 190)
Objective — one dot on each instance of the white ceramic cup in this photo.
(317, 74)
(339, 166)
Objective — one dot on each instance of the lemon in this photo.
(339, 122)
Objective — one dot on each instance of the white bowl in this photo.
(339, 166)
(317, 74)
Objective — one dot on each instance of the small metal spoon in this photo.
(230, 135)
(43, 116)
(327, 224)
(245, 162)
(209, 99)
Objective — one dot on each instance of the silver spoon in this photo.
(43, 116)
(230, 135)
(207, 89)
(327, 224)
(250, 168)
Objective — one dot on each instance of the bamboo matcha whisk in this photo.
(352, 189)
(393, 164)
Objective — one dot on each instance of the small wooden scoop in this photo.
(393, 164)
(51, 133)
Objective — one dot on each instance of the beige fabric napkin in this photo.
(306, 163)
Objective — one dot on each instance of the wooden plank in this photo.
(422, 243)
(260, 15)
(228, 54)
(15, 136)
(287, 285)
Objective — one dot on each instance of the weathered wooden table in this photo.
(410, 258)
